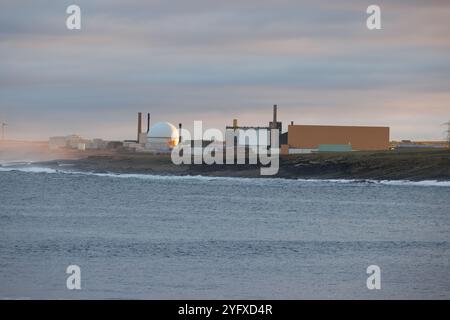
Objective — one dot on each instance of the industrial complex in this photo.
(319, 138)
(162, 137)
(159, 138)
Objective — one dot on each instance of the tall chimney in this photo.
(179, 132)
(235, 123)
(292, 123)
(139, 125)
(148, 122)
(275, 114)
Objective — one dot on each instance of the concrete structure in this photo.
(139, 126)
(253, 136)
(138, 145)
(274, 124)
(71, 141)
(162, 137)
(57, 142)
(310, 137)
(81, 146)
(97, 144)
(142, 136)
(74, 141)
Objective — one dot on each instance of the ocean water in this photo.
(155, 237)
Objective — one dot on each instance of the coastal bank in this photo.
(376, 165)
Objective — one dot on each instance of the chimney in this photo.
(274, 114)
(292, 123)
(235, 123)
(139, 124)
(179, 132)
(148, 122)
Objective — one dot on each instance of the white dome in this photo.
(163, 136)
(163, 130)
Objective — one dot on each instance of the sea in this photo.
(136, 236)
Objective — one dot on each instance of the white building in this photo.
(71, 141)
(162, 137)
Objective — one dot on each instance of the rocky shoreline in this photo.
(379, 165)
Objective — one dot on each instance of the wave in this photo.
(29, 168)
(15, 163)
(423, 183)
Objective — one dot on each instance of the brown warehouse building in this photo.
(309, 138)
(314, 138)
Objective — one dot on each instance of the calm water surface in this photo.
(137, 236)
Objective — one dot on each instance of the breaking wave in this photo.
(30, 168)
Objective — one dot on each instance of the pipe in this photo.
(148, 122)
(179, 132)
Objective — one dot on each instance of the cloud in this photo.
(208, 60)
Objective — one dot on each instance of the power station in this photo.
(162, 137)
(159, 138)
(321, 138)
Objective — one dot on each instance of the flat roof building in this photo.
(310, 137)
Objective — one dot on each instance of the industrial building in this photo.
(317, 138)
(246, 139)
(71, 141)
(162, 137)
(76, 142)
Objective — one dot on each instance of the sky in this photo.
(211, 60)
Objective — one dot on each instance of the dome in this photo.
(162, 135)
(163, 130)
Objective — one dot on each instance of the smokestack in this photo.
(139, 124)
(235, 123)
(179, 132)
(274, 114)
(292, 123)
(148, 122)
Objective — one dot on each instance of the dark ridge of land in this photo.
(377, 165)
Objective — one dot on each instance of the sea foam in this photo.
(30, 168)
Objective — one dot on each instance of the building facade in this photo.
(309, 138)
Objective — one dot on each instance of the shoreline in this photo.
(261, 179)
(378, 165)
